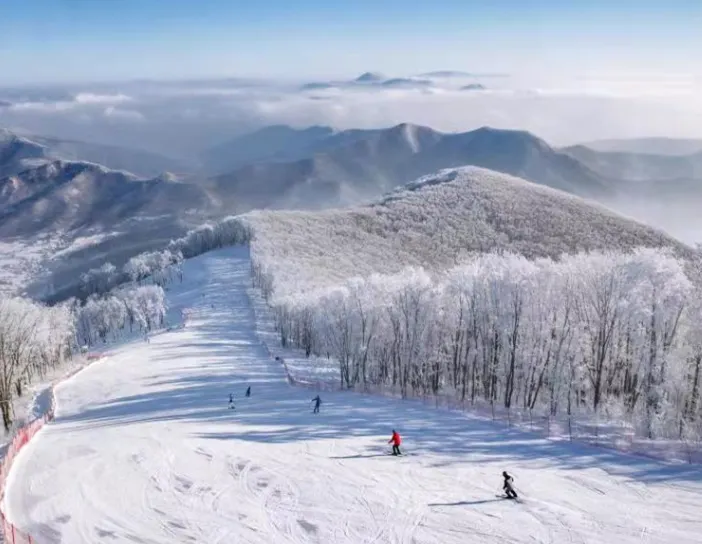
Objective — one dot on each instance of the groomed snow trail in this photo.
(145, 450)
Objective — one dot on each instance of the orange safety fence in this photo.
(21, 437)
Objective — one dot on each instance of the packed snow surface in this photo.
(144, 449)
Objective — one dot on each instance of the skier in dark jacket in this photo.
(395, 440)
(231, 401)
(248, 391)
(507, 486)
(317, 401)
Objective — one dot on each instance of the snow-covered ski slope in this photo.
(144, 449)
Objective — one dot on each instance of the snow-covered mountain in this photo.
(141, 163)
(352, 166)
(272, 143)
(75, 215)
(356, 165)
(66, 195)
(276, 167)
(18, 153)
(436, 220)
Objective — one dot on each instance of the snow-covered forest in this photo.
(435, 223)
(33, 339)
(610, 333)
(123, 313)
(161, 266)
(116, 303)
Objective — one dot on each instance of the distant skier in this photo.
(248, 391)
(317, 401)
(231, 402)
(507, 486)
(395, 440)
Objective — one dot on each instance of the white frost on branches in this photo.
(594, 332)
(120, 313)
(33, 338)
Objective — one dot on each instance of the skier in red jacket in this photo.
(395, 441)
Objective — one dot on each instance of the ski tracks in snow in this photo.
(145, 451)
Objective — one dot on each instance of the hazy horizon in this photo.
(183, 116)
(79, 40)
(170, 75)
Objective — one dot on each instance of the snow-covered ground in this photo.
(322, 374)
(36, 400)
(21, 261)
(144, 449)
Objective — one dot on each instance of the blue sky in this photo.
(65, 40)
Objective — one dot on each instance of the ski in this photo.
(516, 499)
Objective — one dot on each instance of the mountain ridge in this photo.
(362, 164)
(311, 168)
(437, 220)
(47, 149)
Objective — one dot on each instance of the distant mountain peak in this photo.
(473, 87)
(317, 86)
(511, 135)
(411, 128)
(8, 136)
(406, 127)
(406, 82)
(370, 77)
(409, 133)
(167, 177)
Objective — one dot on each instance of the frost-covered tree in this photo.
(33, 338)
(120, 312)
(99, 280)
(604, 333)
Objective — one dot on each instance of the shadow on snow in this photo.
(232, 358)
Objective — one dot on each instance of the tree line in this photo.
(33, 339)
(115, 303)
(161, 266)
(617, 334)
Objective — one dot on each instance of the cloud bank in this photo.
(183, 117)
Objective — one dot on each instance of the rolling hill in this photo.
(436, 221)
